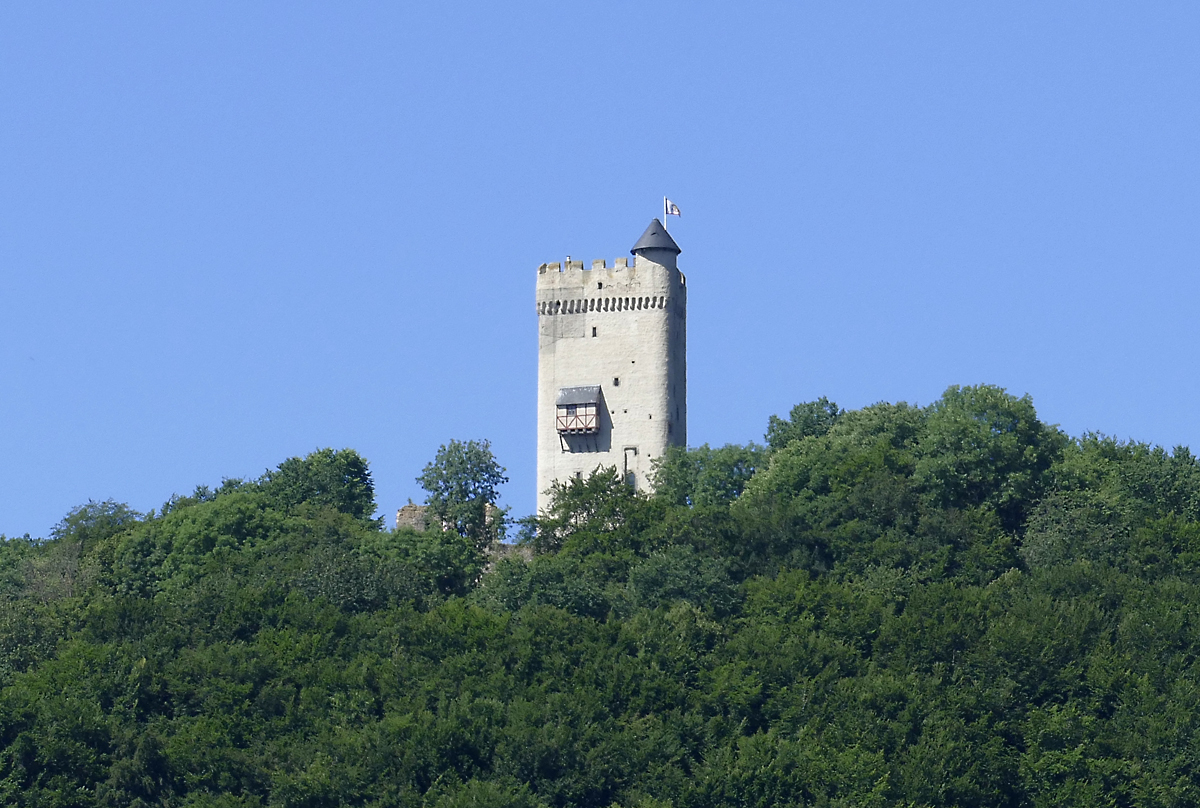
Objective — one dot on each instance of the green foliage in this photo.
(940, 606)
(325, 478)
(597, 511)
(984, 446)
(15, 555)
(810, 419)
(706, 477)
(357, 582)
(462, 482)
(94, 522)
(59, 569)
(449, 562)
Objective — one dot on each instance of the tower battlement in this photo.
(578, 266)
(611, 357)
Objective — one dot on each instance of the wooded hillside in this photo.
(952, 605)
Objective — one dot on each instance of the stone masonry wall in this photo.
(623, 328)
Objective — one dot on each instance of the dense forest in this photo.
(950, 605)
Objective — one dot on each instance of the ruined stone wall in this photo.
(412, 516)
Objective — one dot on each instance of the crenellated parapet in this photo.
(577, 266)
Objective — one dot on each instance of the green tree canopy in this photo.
(808, 419)
(93, 521)
(462, 482)
(336, 479)
(704, 476)
(984, 446)
(949, 606)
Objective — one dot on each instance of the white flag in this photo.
(670, 208)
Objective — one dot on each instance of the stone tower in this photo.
(612, 363)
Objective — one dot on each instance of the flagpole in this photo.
(665, 214)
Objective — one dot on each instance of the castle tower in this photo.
(612, 363)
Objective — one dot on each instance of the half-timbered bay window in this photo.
(578, 410)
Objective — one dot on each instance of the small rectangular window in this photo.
(593, 331)
(616, 382)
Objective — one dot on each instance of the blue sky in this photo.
(234, 233)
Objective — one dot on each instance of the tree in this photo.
(461, 482)
(983, 446)
(706, 477)
(600, 503)
(811, 418)
(337, 479)
(55, 571)
(87, 524)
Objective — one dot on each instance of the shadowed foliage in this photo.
(950, 605)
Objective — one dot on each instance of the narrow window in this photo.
(593, 331)
(599, 286)
(616, 381)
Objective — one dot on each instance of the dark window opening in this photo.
(593, 331)
(616, 382)
(630, 477)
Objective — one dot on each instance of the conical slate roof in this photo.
(656, 237)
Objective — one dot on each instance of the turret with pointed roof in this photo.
(656, 237)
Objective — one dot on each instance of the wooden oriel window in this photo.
(578, 410)
(578, 419)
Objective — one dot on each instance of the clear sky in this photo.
(231, 233)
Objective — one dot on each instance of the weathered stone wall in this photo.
(412, 516)
(623, 328)
(417, 517)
